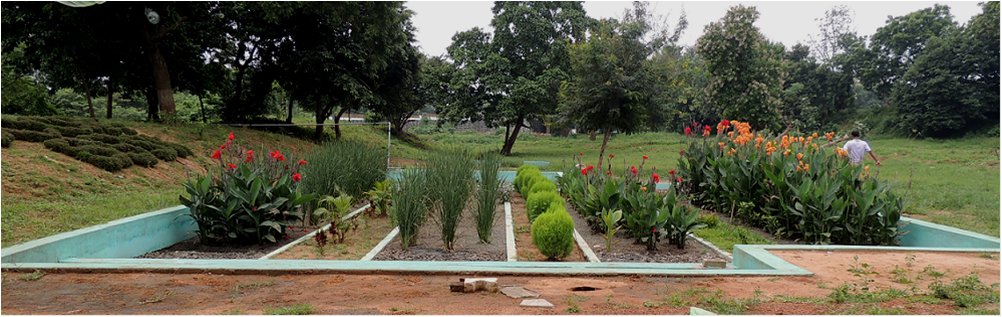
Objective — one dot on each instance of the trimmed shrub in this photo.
(541, 186)
(124, 160)
(99, 149)
(70, 131)
(81, 155)
(25, 123)
(6, 139)
(145, 145)
(52, 131)
(531, 179)
(144, 159)
(32, 136)
(521, 175)
(57, 145)
(182, 151)
(100, 137)
(128, 148)
(165, 154)
(127, 131)
(59, 122)
(553, 234)
(539, 202)
(107, 163)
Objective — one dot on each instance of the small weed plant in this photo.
(33, 276)
(297, 309)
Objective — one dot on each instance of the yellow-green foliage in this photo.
(553, 233)
(523, 173)
(539, 202)
(542, 186)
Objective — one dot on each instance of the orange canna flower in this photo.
(867, 168)
(815, 134)
(800, 156)
(786, 153)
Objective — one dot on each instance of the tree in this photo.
(837, 22)
(980, 40)
(745, 70)
(514, 75)
(895, 46)
(933, 100)
(816, 97)
(612, 84)
(21, 94)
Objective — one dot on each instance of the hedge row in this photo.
(109, 146)
(552, 227)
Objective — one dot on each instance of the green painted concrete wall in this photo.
(927, 234)
(505, 176)
(123, 238)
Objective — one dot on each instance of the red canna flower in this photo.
(290, 228)
(286, 237)
(302, 162)
(611, 156)
(249, 153)
(231, 136)
(680, 179)
(296, 177)
(232, 166)
(254, 207)
(222, 147)
(590, 167)
(681, 152)
(726, 122)
(671, 172)
(654, 229)
(215, 155)
(633, 169)
(608, 173)
(249, 159)
(688, 131)
(657, 179)
(645, 157)
(582, 153)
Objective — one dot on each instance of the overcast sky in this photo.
(788, 22)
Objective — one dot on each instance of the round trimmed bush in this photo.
(107, 163)
(100, 137)
(103, 150)
(531, 179)
(124, 161)
(69, 131)
(165, 154)
(32, 136)
(143, 159)
(149, 146)
(553, 234)
(541, 186)
(539, 202)
(557, 206)
(182, 151)
(128, 148)
(522, 173)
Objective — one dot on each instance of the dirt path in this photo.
(146, 293)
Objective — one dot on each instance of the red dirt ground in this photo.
(342, 294)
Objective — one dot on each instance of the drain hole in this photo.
(584, 289)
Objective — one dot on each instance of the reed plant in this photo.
(410, 206)
(450, 176)
(350, 166)
(487, 194)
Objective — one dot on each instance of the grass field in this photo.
(955, 182)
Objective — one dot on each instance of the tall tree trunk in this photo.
(151, 99)
(90, 104)
(111, 94)
(202, 106)
(591, 135)
(289, 118)
(161, 76)
(337, 123)
(321, 114)
(509, 142)
(601, 153)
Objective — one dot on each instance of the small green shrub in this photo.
(146, 145)
(128, 148)
(165, 154)
(27, 123)
(553, 234)
(539, 202)
(99, 149)
(80, 155)
(531, 178)
(522, 173)
(32, 136)
(144, 159)
(541, 186)
(52, 131)
(108, 163)
(100, 137)
(69, 131)
(6, 139)
(182, 151)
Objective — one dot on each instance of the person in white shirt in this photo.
(856, 148)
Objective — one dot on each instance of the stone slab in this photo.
(541, 303)
(519, 292)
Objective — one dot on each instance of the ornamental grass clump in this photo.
(350, 166)
(488, 194)
(246, 198)
(553, 232)
(450, 176)
(410, 206)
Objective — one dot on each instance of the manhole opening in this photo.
(584, 289)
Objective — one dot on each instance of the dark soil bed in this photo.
(194, 249)
(429, 245)
(627, 251)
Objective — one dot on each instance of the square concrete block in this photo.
(542, 303)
